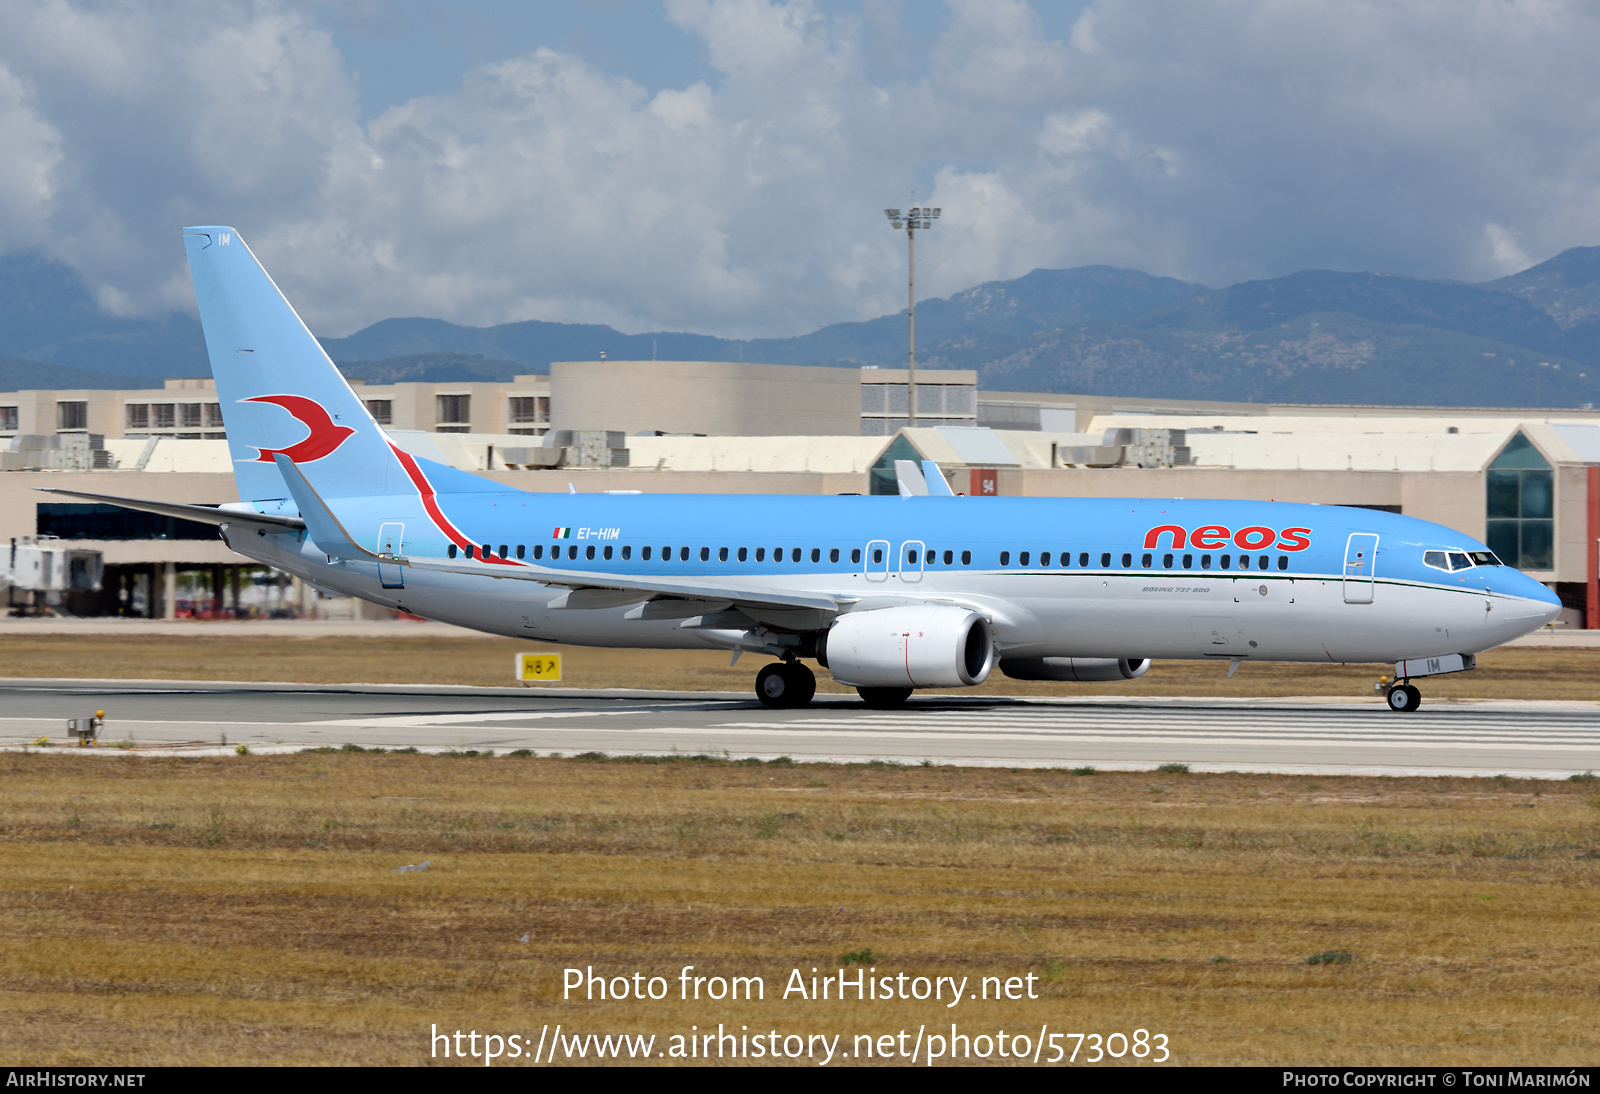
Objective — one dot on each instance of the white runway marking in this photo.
(1312, 736)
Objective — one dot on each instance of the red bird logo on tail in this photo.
(325, 435)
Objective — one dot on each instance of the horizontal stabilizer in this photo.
(203, 514)
(324, 528)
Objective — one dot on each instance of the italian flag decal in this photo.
(561, 533)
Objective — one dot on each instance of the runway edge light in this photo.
(86, 729)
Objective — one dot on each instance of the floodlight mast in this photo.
(915, 219)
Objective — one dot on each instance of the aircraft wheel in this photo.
(884, 698)
(802, 684)
(1404, 698)
(775, 686)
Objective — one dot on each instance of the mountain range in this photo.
(1318, 336)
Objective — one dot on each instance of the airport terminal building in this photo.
(1525, 482)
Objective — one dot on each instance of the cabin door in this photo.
(1360, 558)
(877, 562)
(390, 541)
(912, 552)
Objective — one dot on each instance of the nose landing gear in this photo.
(785, 684)
(1404, 698)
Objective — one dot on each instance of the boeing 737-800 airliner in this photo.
(888, 594)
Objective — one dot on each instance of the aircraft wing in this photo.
(204, 514)
(705, 589)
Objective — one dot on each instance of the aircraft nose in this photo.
(1535, 605)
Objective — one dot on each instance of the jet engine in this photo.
(1074, 668)
(919, 646)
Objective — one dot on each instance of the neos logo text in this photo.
(1211, 537)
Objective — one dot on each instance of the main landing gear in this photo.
(1404, 698)
(785, 684)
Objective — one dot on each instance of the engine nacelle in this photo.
(919, 646)
(1079, 669)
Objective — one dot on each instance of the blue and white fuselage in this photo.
(891, 593)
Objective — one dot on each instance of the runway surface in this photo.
(1327, 736)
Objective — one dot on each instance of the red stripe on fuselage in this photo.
(430, 502)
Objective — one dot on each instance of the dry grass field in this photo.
(1513, 673)
(247, 910)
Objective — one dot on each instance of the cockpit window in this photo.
(1459, 560)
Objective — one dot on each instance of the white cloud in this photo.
(32, 154)
(1210, 139)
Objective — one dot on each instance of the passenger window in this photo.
(1105, 560)
(777, 554)
(1205, 562)
(1261, 563)
(572, 552)
(666, 554)
(744, 553)
(930, 556)
(627, 552)
(1459, 561)
(1044, 558)
(1244, 562)
(877, 555)
(607, 552)
(1144, 561)
(949, 557)
(522, 550)
(1166, 562)
(1005, 558)
(1227, 561)
(504, 554)
(1083, 558)
(644, 553)
(1188, 562)
(1127, 560)
(705, 554)
(816, 554)
(1436, 559)
(966, 558)
(451, 550)
(488, 552)
(761, 554)
(1022, 559)
(722, 554)
(855, 554)
(588, 552)
(538, 550)
(911, 557)
(794, 555)
(1283, 562)
(833, 555)
(683, 554)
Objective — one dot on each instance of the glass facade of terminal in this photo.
(1521, 507)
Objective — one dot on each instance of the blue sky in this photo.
(721, 165)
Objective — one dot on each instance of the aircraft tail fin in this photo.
(279, 392)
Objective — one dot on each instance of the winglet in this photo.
(938, 486)
(909, 478)
(323, 527)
